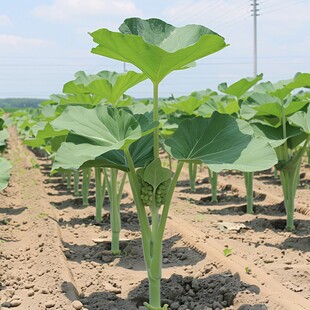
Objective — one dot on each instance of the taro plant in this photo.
(117, 138)
(157, 49)
(110, 87)
(239, 90)
(283, 119)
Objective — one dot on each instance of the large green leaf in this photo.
(42, 133)
(222, 104)
(301, 119)
(268, 107)
(273, 135)
(98, 132)
(221, 141)
(101, 126)
(109, 85)
(240, 87)
(283, 88)
(155, 47)
(5, 167)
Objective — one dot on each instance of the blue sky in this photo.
(43, 43)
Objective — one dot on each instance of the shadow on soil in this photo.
(12, 211)
(215, 291)
(129, 220)
(273, 210)
(132, 255)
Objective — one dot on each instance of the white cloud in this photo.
(5, 20)
(12, 41)
(64, 10)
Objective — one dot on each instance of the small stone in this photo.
(76, 304)
(49, 304)
(175, 305)
(15, 303)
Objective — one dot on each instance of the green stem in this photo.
(155, 118)
(76, 175)
(99, 196)
(192, 167)
(248, 177)
(115, 213)
(170, 161)
(142, 216)
(213, 178)
(155, 250)
(168, 198)
(121, 188)
(85, 185)
(289, 175)
(69, 180)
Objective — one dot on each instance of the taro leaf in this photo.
(240, 87)
(268, 109)
(43, 131)
(222, 142)
(4, 135)
(115, 85)
(141, 153)
(282, 88)
(301, 119)
(188, 104)
(109, 85)
(273, 135)
(80, 99)
(155, 174)
(96, 132)
(155, 47)
(222, 104)
(49, 112)
(5, 167)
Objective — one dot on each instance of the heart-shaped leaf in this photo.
(155, 47)
(240, 87)
(100, 131)
(221, 141)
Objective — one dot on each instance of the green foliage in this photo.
(155, 47)
(5, 167)
(19, 103)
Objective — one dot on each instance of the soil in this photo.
(53, 255)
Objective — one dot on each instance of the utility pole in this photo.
(255, 14)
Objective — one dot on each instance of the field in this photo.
(54, 255)
(147, 225)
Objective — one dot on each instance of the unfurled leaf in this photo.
(240, 87)
(222, 142)
(155, 47)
